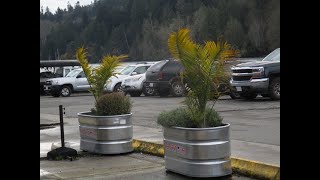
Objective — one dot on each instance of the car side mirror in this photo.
(79, 76)
(134, 73)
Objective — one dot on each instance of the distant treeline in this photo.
(140, 28)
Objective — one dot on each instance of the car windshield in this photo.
(273, 56)
(127, 70)
(118, 69)
(73, 73)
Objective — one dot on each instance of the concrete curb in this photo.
(148, 147)
(255, 169)
(246, 167)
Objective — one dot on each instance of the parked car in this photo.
(258, 77)
(164, 78)
(133, 85)
(44, 76)
(53, 72)
(74, 81)
(114, 83)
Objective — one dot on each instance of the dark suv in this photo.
(164, 77)
(43, 77)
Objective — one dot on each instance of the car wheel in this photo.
(249, 96)
(135, 94)
(65, 91)
(234, 95)
(177, 89)
(147, 91)
(274, 89)
(117, 88)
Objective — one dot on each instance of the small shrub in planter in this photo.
(113, 104)
(181, 117)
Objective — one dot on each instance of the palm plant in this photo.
(204, 69)
(97, 77)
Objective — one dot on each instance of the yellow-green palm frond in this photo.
(226, 52)
(217, 54)
(108, 66)
(181, 47)
(106, 70)
(211, 50)
(97, 77)
(81, 55)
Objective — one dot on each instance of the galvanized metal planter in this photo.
(198, 152)
(105, 134)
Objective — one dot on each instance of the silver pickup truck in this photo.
(75, 81)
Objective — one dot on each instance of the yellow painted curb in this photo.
(149, 148)
(255, 169)
(241, 166)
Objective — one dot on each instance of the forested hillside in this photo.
(140, 28)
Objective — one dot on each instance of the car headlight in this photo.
(258, 72)
(55, 82)
(108, 82)
(126, 80)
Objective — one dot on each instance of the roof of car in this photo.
(143, 63)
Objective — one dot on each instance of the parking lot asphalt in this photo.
(134, 166)
(255, 125)
(256, 121)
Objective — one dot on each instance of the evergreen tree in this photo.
(140, 27)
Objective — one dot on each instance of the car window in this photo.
(158, 66)
(127, 70)
(73, 73)
(141, 69)
(81, 75)
(172, 66)
(67, 71)
(273, 56)
(59, 72)
(118, 69)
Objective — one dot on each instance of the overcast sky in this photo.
(54, 4)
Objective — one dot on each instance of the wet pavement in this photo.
(255, 135)
(135, 166)
(255, 125)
